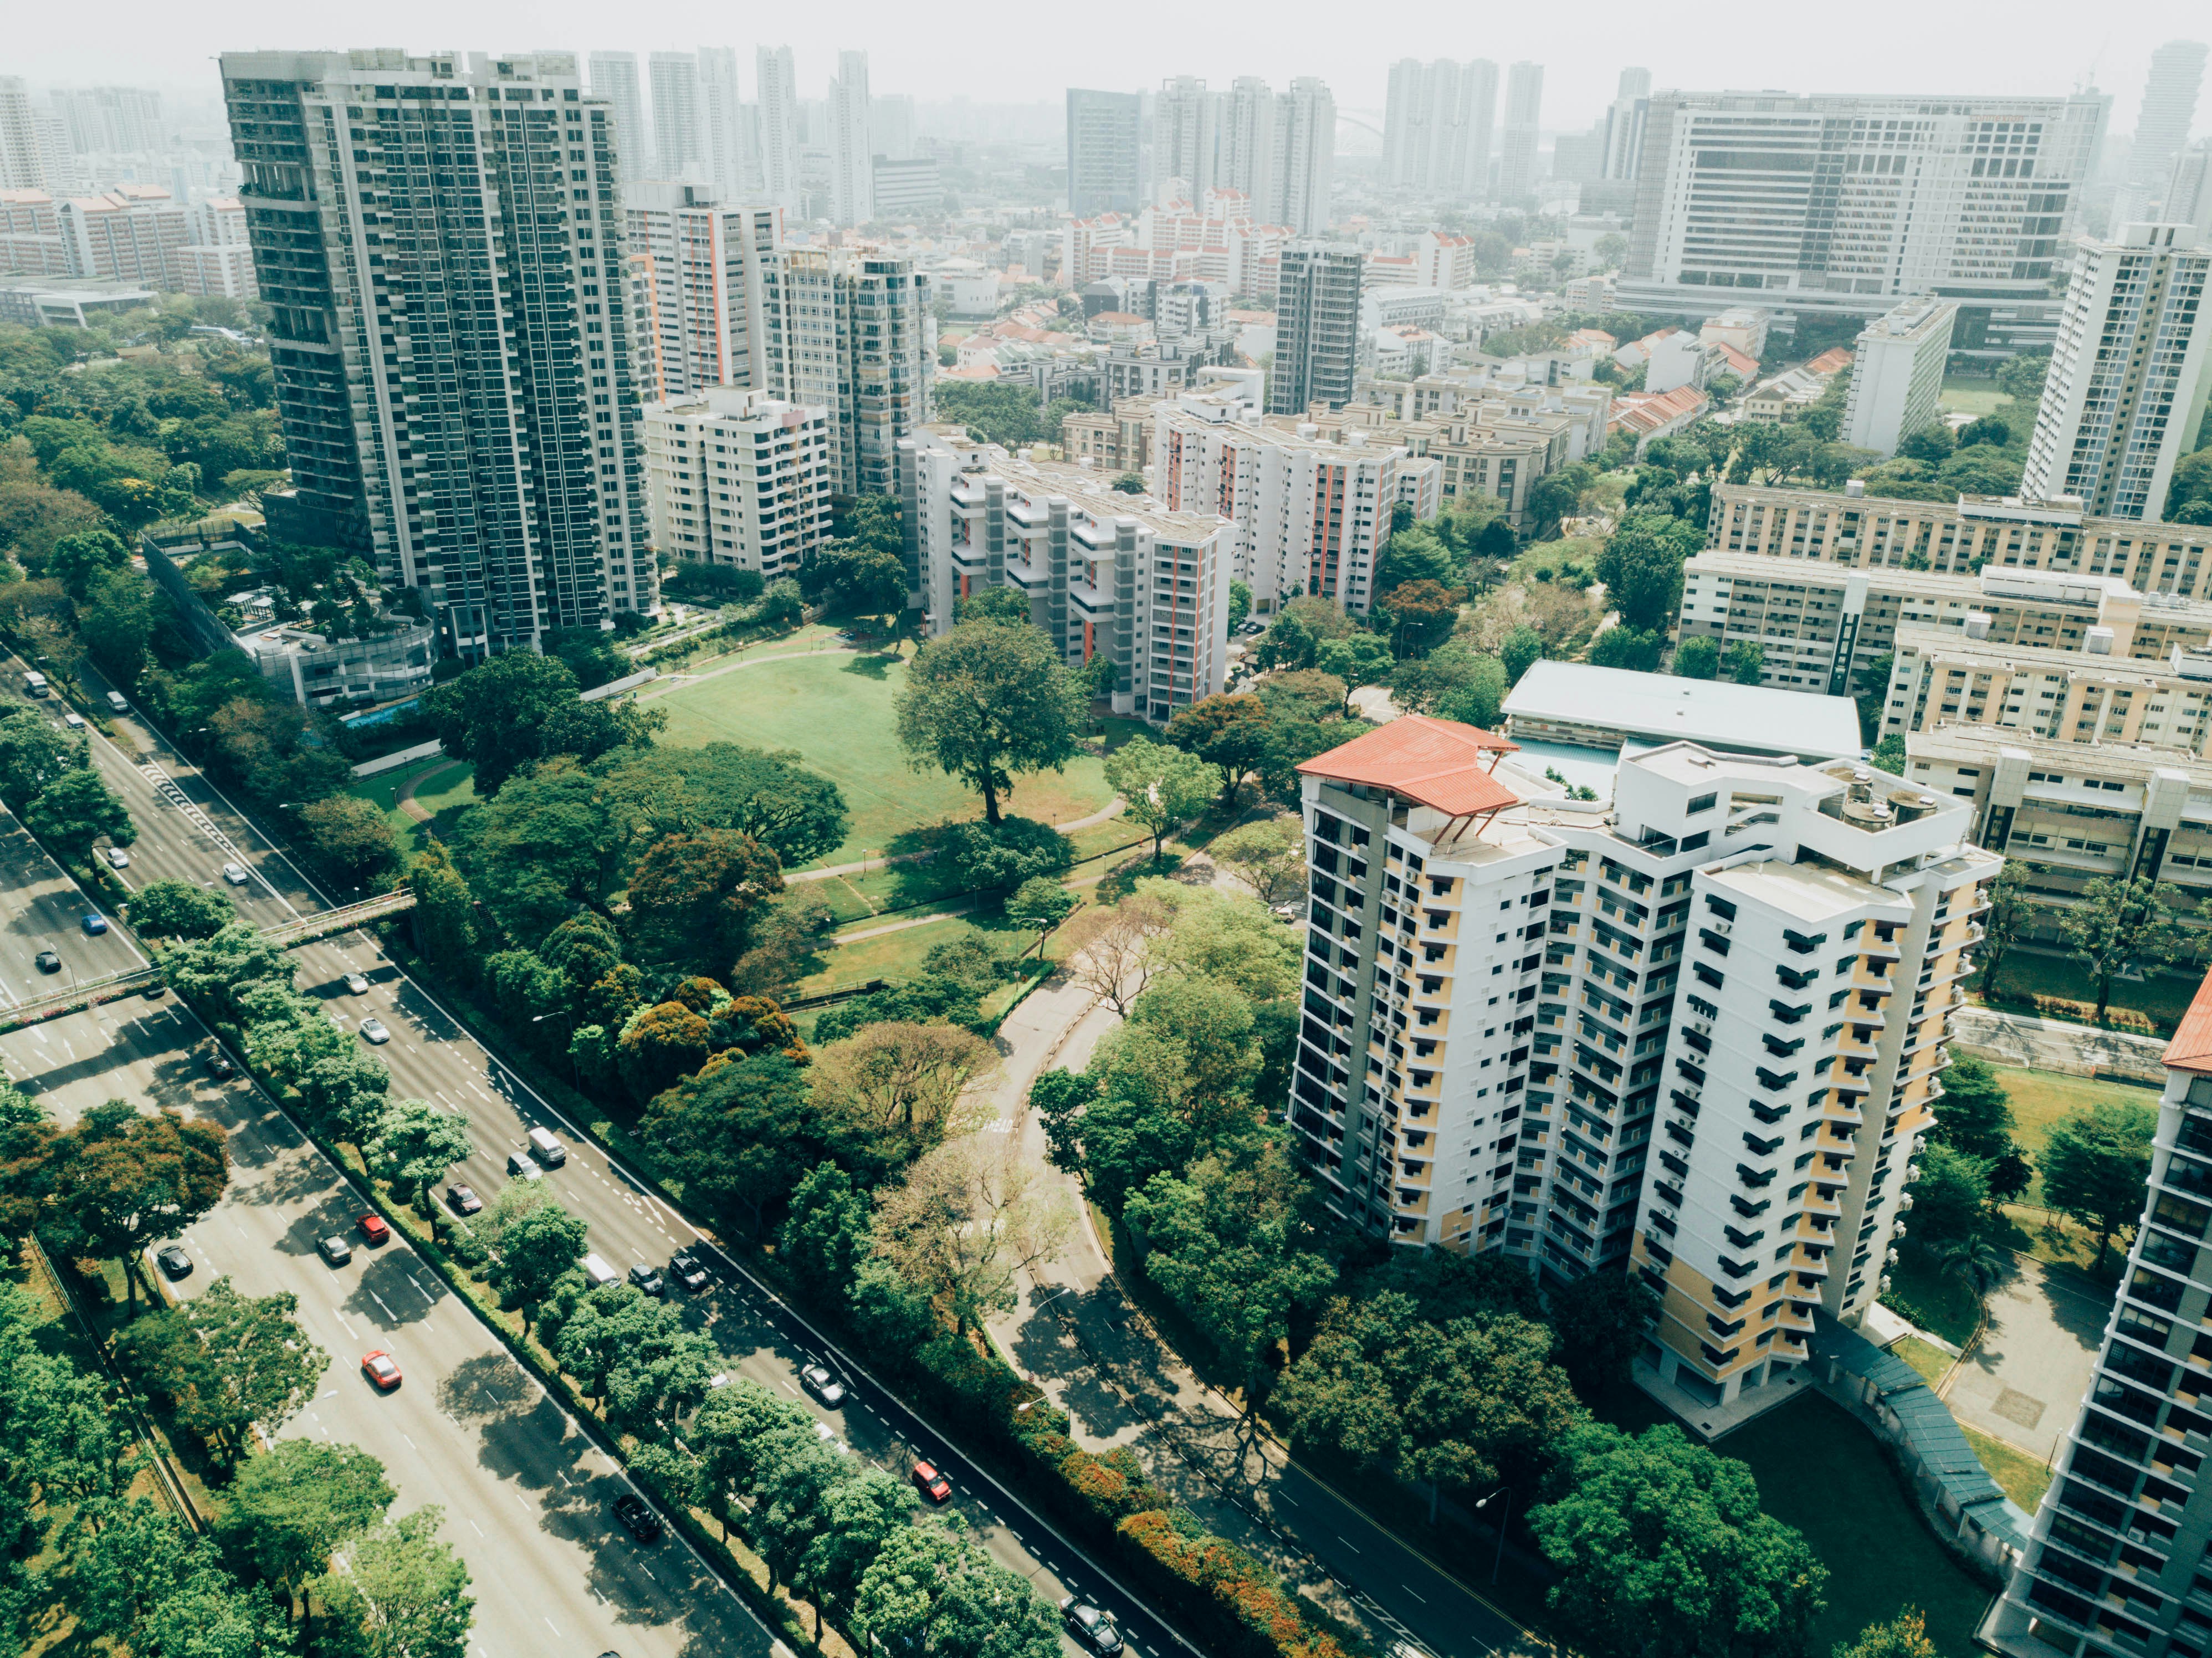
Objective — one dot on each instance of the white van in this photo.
(34, 682)
(545, 1146)
(117, 702)
(600, 1272)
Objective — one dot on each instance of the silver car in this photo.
(373, 1030)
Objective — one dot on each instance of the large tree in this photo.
(74, 811)
(178, 909)
(736, 1136)
(987, 702)
(504, 714)
(2013, 913)
(2095, 1165)
(1160, 786)
(1600, 1320)
(693, 897)
(229, 1363)
(33, 753)
(2119, 924)
(350, 837)
(892, 1091)
(1662, 1551)
(965, 1222)
(414, 1144)
(1236, 733)
(1268, 856)
(535, 1248)
(1230, 1244)
(795, 813)
(120, 1181)
(288, 1511)
(403, 1595)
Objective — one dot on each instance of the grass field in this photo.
(2023, 1478)
(837, 712)
(1931, 1361)
(444, 788)
(2165, 997)
(2043, 1098)
(1824, 1473)
(1973, 396)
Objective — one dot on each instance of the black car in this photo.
(688, 1273)
(639, 1520)
(646, 1279)
(1092, 1628)
(49, 962)
(173, 1261)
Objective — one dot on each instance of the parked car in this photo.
(464, 1199)
(638, 1517)
(235, 873)
(95, 924)
(337, 1251)
(817, 1380)
(647, 1280)
(1092, 1629)
(688, 1273)
(374, 1228)
(120, 703)
(356, 984)
(173, 1261)
(381, 1369)
(931, 1484)
(73, 720)
(373, 1031)
(117, 858)
(48, 962)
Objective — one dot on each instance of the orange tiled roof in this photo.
(1438, 762)
(2191, 1047)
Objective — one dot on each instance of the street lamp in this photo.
(1505, 1492)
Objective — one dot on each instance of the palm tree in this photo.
(1977, 1261)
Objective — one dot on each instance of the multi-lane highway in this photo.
(524, 1454)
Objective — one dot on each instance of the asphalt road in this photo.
(187, 831)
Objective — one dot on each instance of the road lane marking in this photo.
(479, 1530)
(556, 1628)
(411, 1445)
(342, 1320)
(1348, 1543)
(379, 1300)
(1409, 1589)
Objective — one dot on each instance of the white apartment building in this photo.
(852, 145)
(776, 89)
(1845, 205)
(727, 127)
(2125, 392)
(1311, 515)
(1316, 326)
(1302, 167)
(679, 127)
(615, 80)
(1437, 121)
(737, 478)
(1104, 571)
(1897, 374)
(852, 329)
(1517, 147)
(1519, 1031)
(702, 275)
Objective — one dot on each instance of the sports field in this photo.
(836, 710)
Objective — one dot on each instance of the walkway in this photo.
(2078, 1050)
(405, 799)
(2024, 1377)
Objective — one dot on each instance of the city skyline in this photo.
(1952, 55)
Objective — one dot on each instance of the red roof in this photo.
(1437, 763)
(2191, 1047)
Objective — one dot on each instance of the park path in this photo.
(406, 799)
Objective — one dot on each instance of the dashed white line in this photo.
(1348, 1543)
(556, 1628)
(479, 1530)
(1409, 1589)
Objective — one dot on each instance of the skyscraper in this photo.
(1185, 135)
(1316, 326)
(892, 125)
(2116, 1560)
(851, 324)
(776, 86)
(1436, 125)
(1247, 151)
(1303, 167)
(2169, 103)
(2188, 191)
(1516, 152)
(2126, 387)
(614, 79)
(1842, 205)
(1105, 152)
(34, 143)
(704, 273)
(112, 120)
(1623, 125)
(852, 149)
(679, 135)
(725, 124)
(452, 349)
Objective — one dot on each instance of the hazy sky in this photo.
(1022, 54)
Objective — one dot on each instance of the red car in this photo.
(373, 1229)
(931, 1484)
(382, 1370)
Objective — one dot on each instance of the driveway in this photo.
(2024, 1380)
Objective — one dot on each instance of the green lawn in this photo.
(1824, 1473)
(2023, 1478)
(1973, 396)
(837, 712)
(1931, 1361)
(443, 787)
(2163, 997)
(2041, 1098)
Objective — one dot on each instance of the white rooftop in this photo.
(1652, 707)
